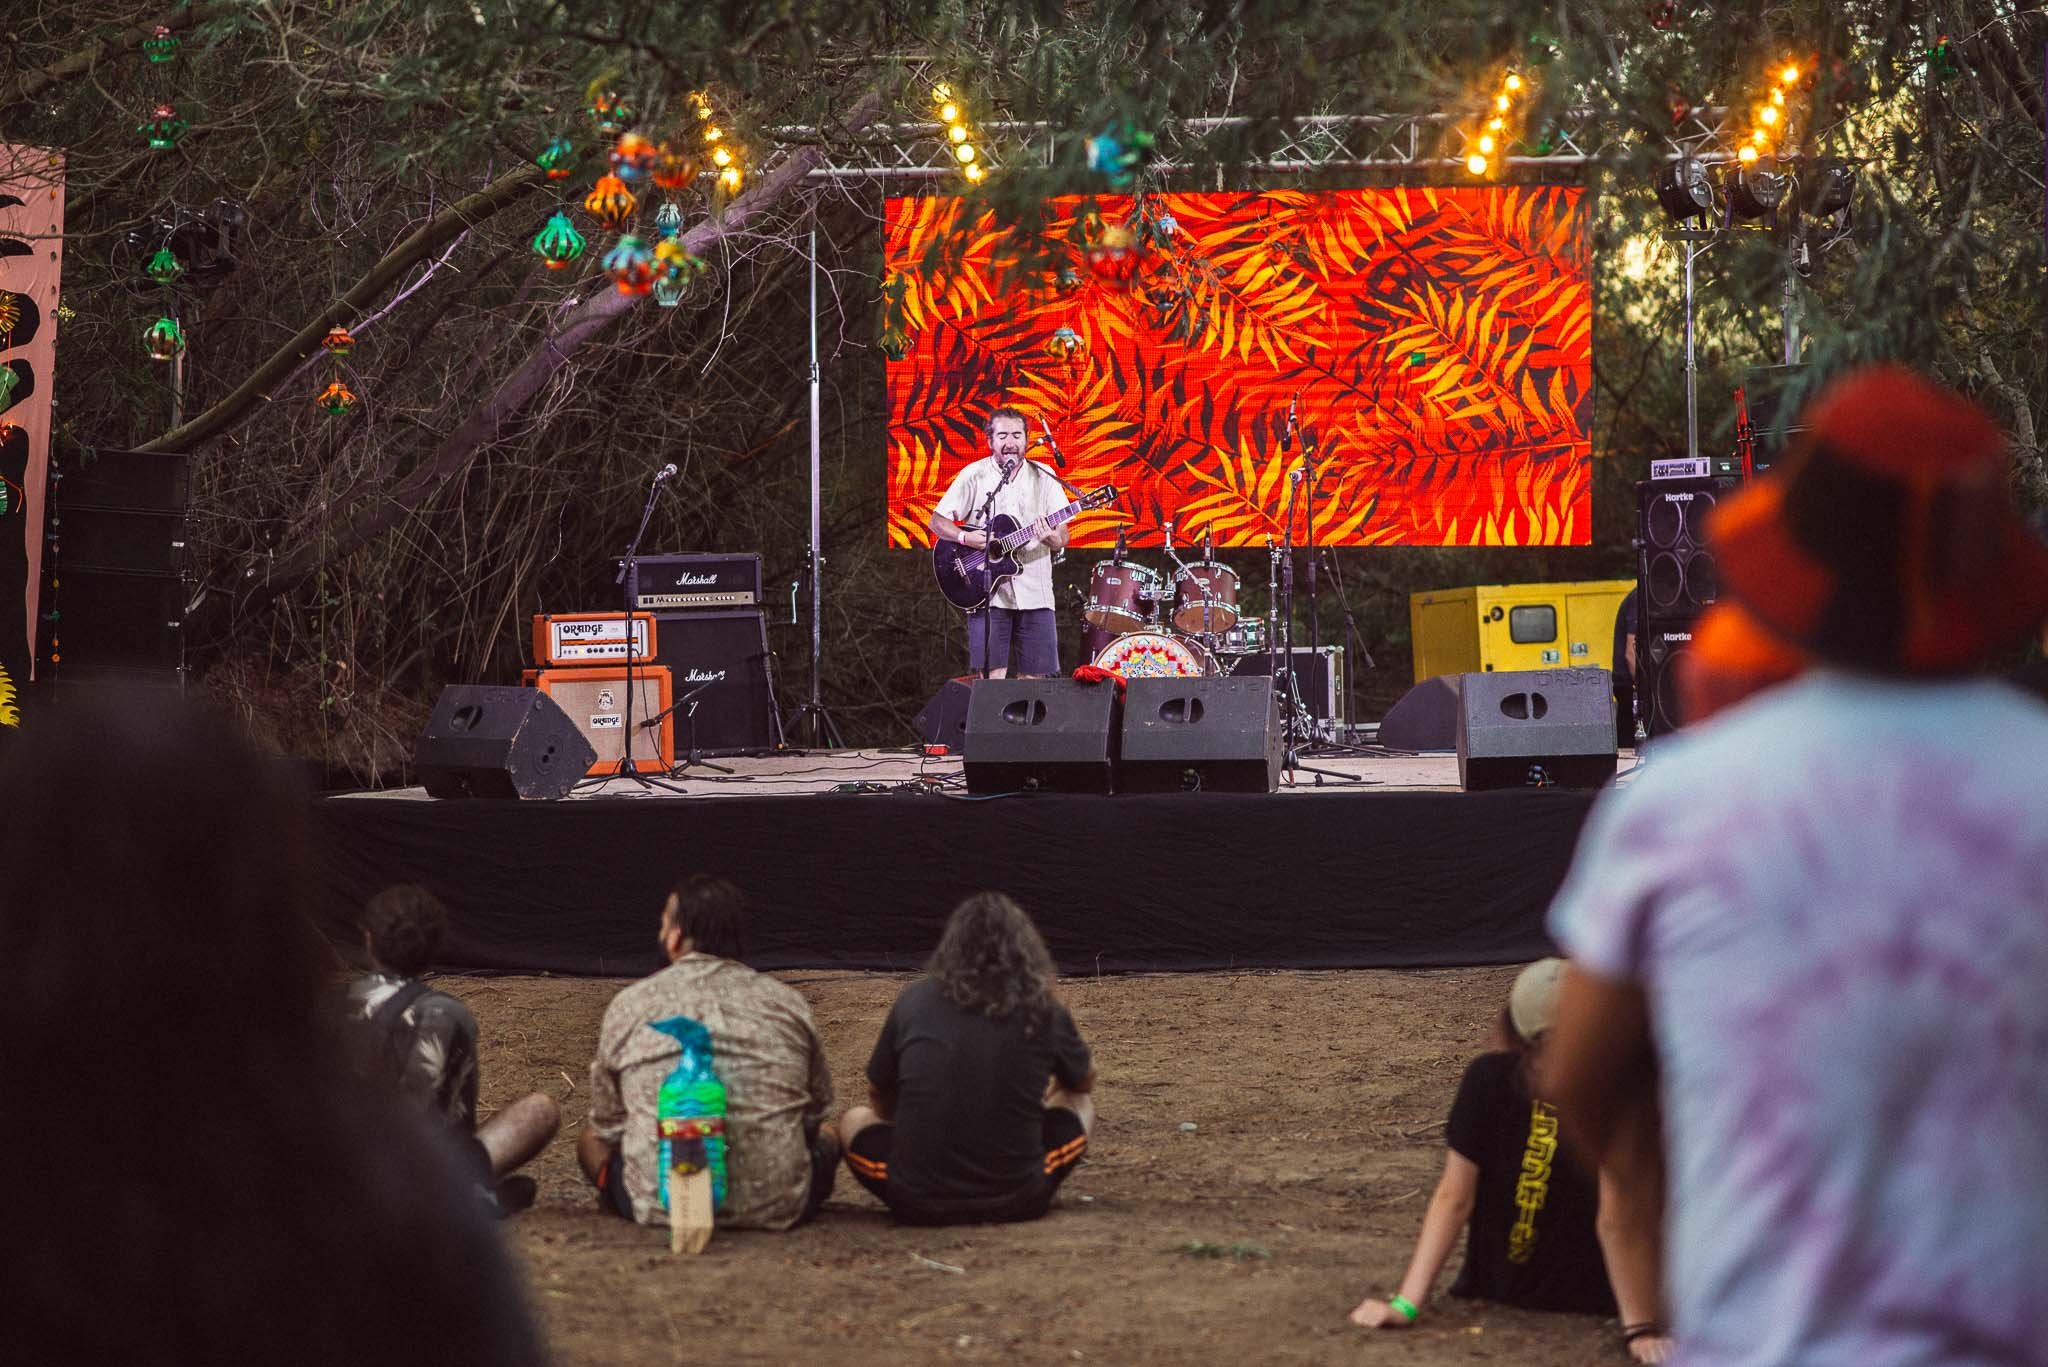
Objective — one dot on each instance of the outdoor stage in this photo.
(1399, 870)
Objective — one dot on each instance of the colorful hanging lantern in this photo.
(894, 344)
(338, 341)
(10, 313)
(164, 267)
(558, 243)
(9, 378)
(1942, 62)
(1114, 256)
(675, 166)
(1116, 153)
(163, 127)
(558, 159)
(164, 338)
(610, 111)
(632, 157)
(337, 398)
(160, 46)
(1064, 345)
(672, 261)
(668, 219)
(611, 203)
(630, 265)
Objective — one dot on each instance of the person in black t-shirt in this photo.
(1537, 1233)
(1624, 672)
(978, 1089)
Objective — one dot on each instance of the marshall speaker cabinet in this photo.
(718, 663)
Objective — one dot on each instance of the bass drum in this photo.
(1122, 596)
(1205, 598)
(1156, 655)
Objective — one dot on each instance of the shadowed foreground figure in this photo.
(195, 1174)
(1818, 923)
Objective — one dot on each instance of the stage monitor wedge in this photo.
(1041, 735)
(1212, 735)
(1536, 728)
(484, 741)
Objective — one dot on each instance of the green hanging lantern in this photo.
(9, 378)
(895, 345)
(163, 128)
(610, 112)
(160, 46)
(164, 338)
(1942, 62)
(164, 267)
(558, 243)
(669, 290)
(558, 159)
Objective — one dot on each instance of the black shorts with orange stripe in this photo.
(1066, 1143)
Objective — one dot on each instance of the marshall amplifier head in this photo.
(695, 582)
(723, 680)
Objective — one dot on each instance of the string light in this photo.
(1486, 144)
(726, 154)
(1773, 116)
(958, 135)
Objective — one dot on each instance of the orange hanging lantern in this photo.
(611, 203)
(675, 166)
(1114, 256)
(338, 341)
(337, 398)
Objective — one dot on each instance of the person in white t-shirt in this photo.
(1018, 632)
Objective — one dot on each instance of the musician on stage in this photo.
(1019, 629)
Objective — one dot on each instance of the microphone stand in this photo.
(988, 608)
(696, 759)
(1292, 698)
(628, 581)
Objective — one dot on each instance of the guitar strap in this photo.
(1064, 482)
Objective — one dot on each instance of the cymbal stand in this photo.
(1292, 697)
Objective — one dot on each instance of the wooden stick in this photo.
(689, 1210)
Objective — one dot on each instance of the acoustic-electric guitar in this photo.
(970, 577)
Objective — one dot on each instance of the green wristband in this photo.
(1404, 1307)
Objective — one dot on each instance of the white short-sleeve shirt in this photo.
(1031, 494)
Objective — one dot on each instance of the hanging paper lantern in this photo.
(164, 338)
(160, 46)
(558, 159)
(668, 220)
(672, 260)
(338, 341)
(1064, 345)
(10, 313)
(632, 157)
(1067, 280)
(1114, 256)
(1117, 153)
(610, 111)
(675, 166)
(164, 267)
(337, 398)
(1942, 62)
(558, 243)
(611, 203)
(894, 344)
(9, 378)
(630, 265)
(163, 127)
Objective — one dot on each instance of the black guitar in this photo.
(970, 577)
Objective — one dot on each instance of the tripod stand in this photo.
(811, 722)
(1298, 741)
(688, 703)
(628, 582)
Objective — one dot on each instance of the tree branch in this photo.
(383, 510)
(32, 83)
(428, 238)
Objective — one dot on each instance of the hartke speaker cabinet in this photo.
(1676, 582)
(1054, 735)
(1216, 735)
(724, 655)
(1534, 727)
(483, 741)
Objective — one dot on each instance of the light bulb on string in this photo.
(1513, 81)
(721, 157)
(1496, 125)
(1790, 75)
(1768, 114)
(1501, 103)
(1745, 154)
(1777, 97)
(1486, 142)
(1476, 164)
(975, 174)
(949, 112)
(957, 133)
(965, 153)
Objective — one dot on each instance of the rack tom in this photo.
(1121, 596)
(1205, 598)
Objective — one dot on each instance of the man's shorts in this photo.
(1066, 1141)
(611, 1180)
(1025, 641)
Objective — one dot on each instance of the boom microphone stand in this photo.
(627, 582)
(811, 720)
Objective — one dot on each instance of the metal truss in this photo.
(1321, 142)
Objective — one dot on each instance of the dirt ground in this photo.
(1316, 1102)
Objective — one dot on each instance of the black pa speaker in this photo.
(1426, 717)
(1057, 735)
(1217, 735)
(1536, 727)
(483, 741)
(725, 656)
(943, 720)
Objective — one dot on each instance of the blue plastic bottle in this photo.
(691, 1106)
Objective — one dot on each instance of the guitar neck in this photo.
(1022, 536)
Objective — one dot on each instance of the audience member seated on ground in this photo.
(978, 1089)
(1541, 1231)
(1816, 930)
(195, 1173)
(781, 1155)
(423, 1042)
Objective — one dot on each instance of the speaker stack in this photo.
(713, 637)
(114, 563)
(1675, 583)
(1214, 734)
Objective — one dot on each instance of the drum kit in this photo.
(1143, 624)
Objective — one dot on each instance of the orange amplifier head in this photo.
(595, 699)
(590, 638)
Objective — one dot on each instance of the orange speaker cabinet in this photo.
(595, 699)
(590, 638)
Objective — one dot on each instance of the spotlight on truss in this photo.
(1753, 193)
(1684, 190)
(1826, 186)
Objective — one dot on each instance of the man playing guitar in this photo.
(1018, 629)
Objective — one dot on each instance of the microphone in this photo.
(1058, 457)
(666, 472)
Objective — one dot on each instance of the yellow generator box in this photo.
(1515, 626)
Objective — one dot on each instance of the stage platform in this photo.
(1382, 862)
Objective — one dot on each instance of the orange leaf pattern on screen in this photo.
(1437, 344)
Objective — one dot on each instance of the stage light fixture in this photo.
(1753, 193)
(1684, 189)
(1826, 186)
